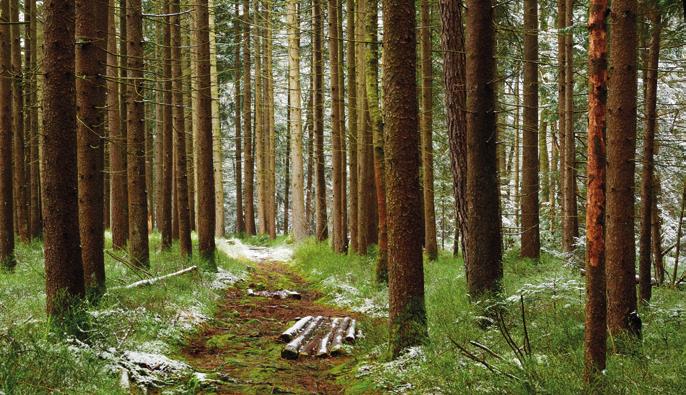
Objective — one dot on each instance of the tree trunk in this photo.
(647, 193)
(339, 238)
(595, 334)
(135, 126)
(287, 166)
(679, 234)
(571, 223)
(309, 127)
(531, 238)
(166, 192)
(7, 258)
(621, 138)
(426, 127)
(544, 160)
(248, 164)
(484, 237)
(271, 127)
(205, 182)
(407, 312)
(240, 218)
(64, 284)
(656, 234)
(217, 155)
(297, 176)
(354, 154)
(21, 197)
(318, 124)
(259, 122)
(34, 159)
(517, 151)
(91, 63)
(561, 95)
(454, 78)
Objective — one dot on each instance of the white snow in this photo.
(234, 248)
(224, 279)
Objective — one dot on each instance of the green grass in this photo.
(36, 360)
(553, 297)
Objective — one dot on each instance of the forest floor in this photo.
(241, 343)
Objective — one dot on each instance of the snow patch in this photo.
(224, 279)
(234, 248)
(345, 295)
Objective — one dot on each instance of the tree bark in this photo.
(407, 313)
(647, 193)
(135, 126)
(248, 164)
(561, 95)
(531, 238)
(621, 138)
(32, 97)
(64, 284)
(206, 203)
(339, 239)
(484, 237)
(217, 154)
(595, 334)
(7, 258)
(570, 225)
(426, 127)
(354, 154)
(240, 217)
(91, 64)
(168, 171)
(318, 124)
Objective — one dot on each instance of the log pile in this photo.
(282, 294)
(318, 337)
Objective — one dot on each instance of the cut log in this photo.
(351, 332)
(337, 342)
(283, 294)
(323, 349)
(152, 281)
(291, 332)
(292, 349)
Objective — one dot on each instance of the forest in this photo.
(342, 196)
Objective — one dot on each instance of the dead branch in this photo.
(154, 280)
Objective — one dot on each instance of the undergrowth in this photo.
(154, 319)
(553, 298)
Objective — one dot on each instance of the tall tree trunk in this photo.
(118, 133)
(365, 172)
(259, 121)
(561, 95)
(426, 126)
(484, 237)
(621, 138)
(165, 216)
(339, 238)
(595, 334)
(21, 197)
(271, 127)
(91, 64)
(656, 234)
(544, 160)
(309, 127)
(531, 238)
(407, 312)
(64, 284)
(217, 155)
(352, 123)
(679, 234)
(318, 123)
(454, 78)
(343, 136)
(372, 79)
(248, 164)
(189, 103)
(297, 176)
(571, 223)
(517, 150)
(240, 218)
(7, 258)
(34, 159)
(647, 193)
(287, 166)
(135, 126)
(205, 182)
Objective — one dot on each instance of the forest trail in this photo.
(241, 345)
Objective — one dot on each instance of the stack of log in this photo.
(282, 294)
(318, 337)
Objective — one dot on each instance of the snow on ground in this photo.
(234, 248)
(345, 295)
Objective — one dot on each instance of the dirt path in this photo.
(241, 343)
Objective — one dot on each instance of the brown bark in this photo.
(561, 94)
(189, 104)
(621, 143)
(517, 150)
(116, 101)
(531, 238)
(484, 237)
(271, 127)
(365, 154)
(217, 154)
(454, 78)
(240, 218)
(179, 132)
(135, 126)
(341, 121)
(21, 196)
(339, 238)
(91, 64)
(259, 145)
(64, 284)
(318, 124)
(595, 325)
(205, 182)
(647, 193)
(679, 234)
(248, 164)
(570, 225)
(426, 130)
(35, 217)
(167, 133)
(7, 258)
(354, 154)
(407, 313)
(287, 181)
(656, 235)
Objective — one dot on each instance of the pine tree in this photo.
(7, 259)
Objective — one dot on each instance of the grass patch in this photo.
(153, 319)
(554, 301)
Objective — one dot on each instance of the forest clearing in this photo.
(342, 196)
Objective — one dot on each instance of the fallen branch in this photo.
(288, 335)
(283, 294)
(154, 280)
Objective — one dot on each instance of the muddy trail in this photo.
(241, 344)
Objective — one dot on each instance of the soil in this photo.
(241, 344)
